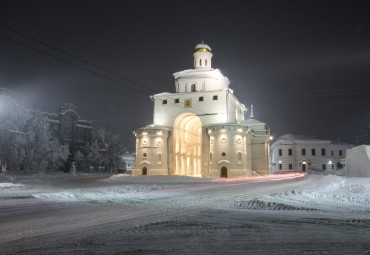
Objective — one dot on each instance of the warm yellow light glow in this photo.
(187, 141)
(271, 137)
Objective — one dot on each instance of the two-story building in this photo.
(305, 153)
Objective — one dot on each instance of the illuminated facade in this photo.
(305, 153)
(200, 129)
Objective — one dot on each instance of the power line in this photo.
(75, 65)
(79, 66)
(75, 57)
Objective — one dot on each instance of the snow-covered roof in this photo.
(84, 126)
(163, 94)
(155, 127)
(243, 123)
(201, 72)
(288, 139)
(202, 47)
(252, 122)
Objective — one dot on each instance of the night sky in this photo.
(305, 65)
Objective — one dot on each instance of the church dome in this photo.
(202, 47)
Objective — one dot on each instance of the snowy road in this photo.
(175, 216)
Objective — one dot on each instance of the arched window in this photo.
(210, 156)
(206, 62)
(144, 155)
(159, 156)
(239, 156)
(200, 62)
(193, 88)
(223, 154)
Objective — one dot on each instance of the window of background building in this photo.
(290, 152)
(323, 152)
(280, 152)
(164, 101)
(280, 166)
(215, 97)
(239, 156)
(332, 152)
(290, 166)
(201, 98)
(223, 154)
(177, 101)
(323, 167)
(313, 152)
(303, 152)
(340, 153)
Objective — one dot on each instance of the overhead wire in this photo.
(85, 61)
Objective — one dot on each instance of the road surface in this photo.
(186, 218)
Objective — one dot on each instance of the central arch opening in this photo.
(187, 144)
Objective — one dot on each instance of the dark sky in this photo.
(305, 65)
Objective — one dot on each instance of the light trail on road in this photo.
(218, 183)
(244, 180)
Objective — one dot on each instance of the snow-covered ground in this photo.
(11, 186)
(323, 192)
(120, 214)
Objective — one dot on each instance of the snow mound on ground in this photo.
(118, 176)
(12, 186)
(329, 192)
(259, 204)
(332, 184)
(112, 193)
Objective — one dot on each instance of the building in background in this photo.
(128, 163)
(200, 129)
(69, 128)
(304, 153)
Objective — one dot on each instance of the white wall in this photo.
(358, 161)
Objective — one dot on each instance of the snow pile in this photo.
(333, 191)
(119, 192)
(260, 204)
(328, 192)
(358, 161)
(12, 186)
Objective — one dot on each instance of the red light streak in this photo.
(235, 182)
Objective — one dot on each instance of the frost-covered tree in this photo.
(104, 151)
(26, 142)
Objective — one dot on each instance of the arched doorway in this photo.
(224, 171)
(304, 166)
(145, 170)
(187, 145)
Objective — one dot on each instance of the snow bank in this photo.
(111, 193)
(12, 186)
(358, 161)
(328, 192)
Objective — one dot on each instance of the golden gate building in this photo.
(200, 129)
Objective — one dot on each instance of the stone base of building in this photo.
(261, 172)
(216, 173)
(232, 173)
(137, 172)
